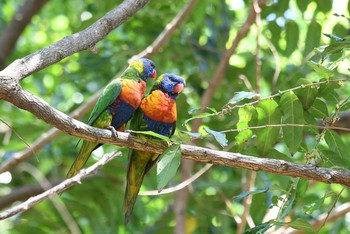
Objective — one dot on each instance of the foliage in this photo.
(300, 41)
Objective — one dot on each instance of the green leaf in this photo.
(150, 133)
(345, 106)
(268, 114)
(302, 5)
(200, 116)
(292, 37)
(327, 91)
(311, 120)
(302, 188)
(316, 205)
(275, 31)
(299, 224)
(336, 46)
(219, 137)
(320, 69)
(336, 144)
(246, 115)
(260, 228)
(278, 155)
(319, 109)
(247, 193)
(193, 110)
(239, 96)
(189, 135)
(324, 5)
(313, 36)
(307, 94)
(292, 114)
(168, 164)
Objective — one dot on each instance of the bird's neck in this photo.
(131, 73)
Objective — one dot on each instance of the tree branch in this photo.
(58, 188)
(23, 193)
(25, 100)
(69, 45)
(15, 28)
(82, 110)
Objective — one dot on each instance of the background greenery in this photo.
(292, 28)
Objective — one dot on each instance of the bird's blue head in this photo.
(145, 68)
(170, 84)
(149, 69)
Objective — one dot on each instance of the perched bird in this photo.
(156, 113)
(116, 105)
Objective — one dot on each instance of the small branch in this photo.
(337, 213)
(343, 129)
(58, 188)
(23, 193)
(179, 186)
(15, 28)
(164, 36)
(56, 201)
(69, 45)
(257, 71)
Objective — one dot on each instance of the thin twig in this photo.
(180, 186)
(56, 201)
(58, 188)
(331, 209)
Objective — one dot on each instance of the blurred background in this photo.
(270, 57)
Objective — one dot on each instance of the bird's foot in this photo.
(114, 132)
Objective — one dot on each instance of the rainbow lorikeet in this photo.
(157, 113)
(116, 105)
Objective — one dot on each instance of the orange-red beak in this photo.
(154, 74)
(178, 88)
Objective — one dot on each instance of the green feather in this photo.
(110, 93)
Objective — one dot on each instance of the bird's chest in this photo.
(159, 107)
(132, 92)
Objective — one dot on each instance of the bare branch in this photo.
(69, 45)
(23, 193)
(58, 188)
(15, 28)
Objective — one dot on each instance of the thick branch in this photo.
(25, 100)
(15, 28)
(53, 133)
(69, 45)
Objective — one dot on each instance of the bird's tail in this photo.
(84, 154)
(139, 164)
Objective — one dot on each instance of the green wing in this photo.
(109, 94)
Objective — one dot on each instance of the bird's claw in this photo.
(114, 132)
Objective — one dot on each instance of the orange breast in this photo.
(132, 92)
(160, 107)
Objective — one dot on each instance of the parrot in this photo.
(116, 105)
(157, 113)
